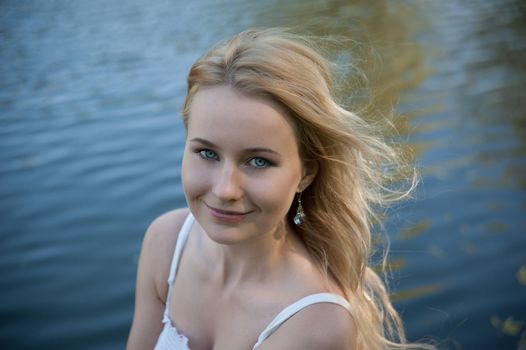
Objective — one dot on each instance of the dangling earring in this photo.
(300, 216)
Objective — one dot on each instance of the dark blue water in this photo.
(91, 142)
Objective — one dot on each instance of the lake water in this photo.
(91, 143)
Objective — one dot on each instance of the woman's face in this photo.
(241, 165)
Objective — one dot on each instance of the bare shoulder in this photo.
(152, 274)
(166, 226)
(159, 244)
(318, 326)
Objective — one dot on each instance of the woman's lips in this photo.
(226, 215)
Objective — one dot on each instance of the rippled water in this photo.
(91, 141)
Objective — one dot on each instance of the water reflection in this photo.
(376, 37)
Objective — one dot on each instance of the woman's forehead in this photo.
(224, 113)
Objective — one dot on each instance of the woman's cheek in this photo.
(194, 178)
(275, 194)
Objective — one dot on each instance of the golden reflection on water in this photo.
(376, 37)
(509, 326)
(415, 292)
(416, 229)
(521, 275)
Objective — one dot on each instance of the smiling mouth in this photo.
(228, 215)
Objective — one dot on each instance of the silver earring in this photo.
(300, 216)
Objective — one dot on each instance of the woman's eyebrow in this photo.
(261, 149)
(247, 150)
(203, 141)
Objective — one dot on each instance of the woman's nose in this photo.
(227, 186)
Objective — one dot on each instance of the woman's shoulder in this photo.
(162, 233)
(332, 327)
(166, 226)
(318, 326)
(159, 244)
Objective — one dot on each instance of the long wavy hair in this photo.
(354, 176)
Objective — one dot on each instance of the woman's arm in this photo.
(151, 287)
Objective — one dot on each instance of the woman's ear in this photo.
(310, 170)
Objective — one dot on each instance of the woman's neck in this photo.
(256, 260)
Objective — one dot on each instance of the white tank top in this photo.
(170, 339)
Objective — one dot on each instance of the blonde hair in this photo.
(352, 178)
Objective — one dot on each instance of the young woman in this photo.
(273, 251)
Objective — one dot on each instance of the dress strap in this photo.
(178, 252)
(299, 305)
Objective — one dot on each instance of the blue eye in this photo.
(208, 154)
(259, 162)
